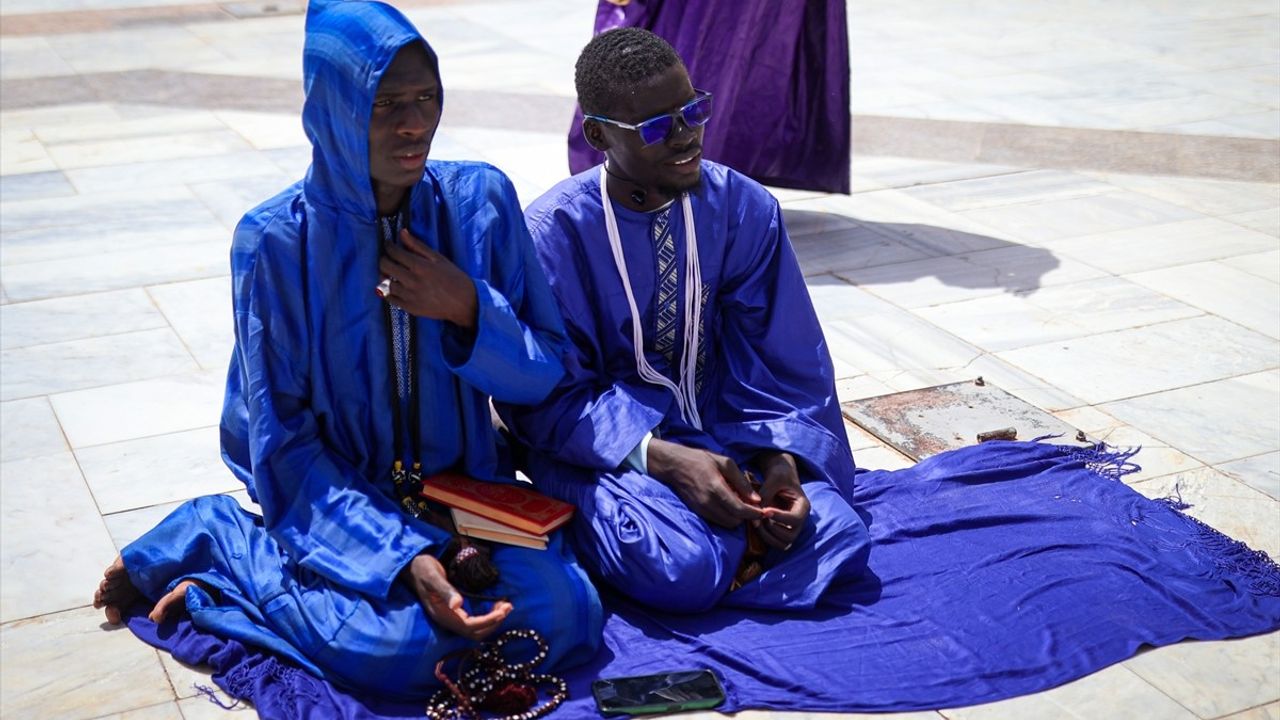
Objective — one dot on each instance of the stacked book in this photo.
(499, 512)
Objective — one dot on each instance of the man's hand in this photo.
(711, 485)
(443, 602)
(786, 508)
(426, 284)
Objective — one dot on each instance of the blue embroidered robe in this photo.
(766, 384)
(308, 422)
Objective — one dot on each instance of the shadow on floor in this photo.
(876, 253)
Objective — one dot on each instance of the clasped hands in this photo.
(714, 487)
(427, 284)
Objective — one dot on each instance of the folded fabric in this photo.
(995, 570)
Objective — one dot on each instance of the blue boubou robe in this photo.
(765, 383)
(308, 423)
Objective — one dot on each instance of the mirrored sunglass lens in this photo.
(655, 130)
(698, 113)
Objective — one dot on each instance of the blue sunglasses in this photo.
(694, 113)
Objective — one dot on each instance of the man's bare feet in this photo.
(116, 593)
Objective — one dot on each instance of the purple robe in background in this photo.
(779, 72)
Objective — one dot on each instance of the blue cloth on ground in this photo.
(995, 570)
(765, 382)
(308, 417)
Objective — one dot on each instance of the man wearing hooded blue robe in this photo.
(307, 423)
(761, 383)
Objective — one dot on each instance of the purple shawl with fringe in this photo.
(996, 570)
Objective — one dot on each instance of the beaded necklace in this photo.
(488, 682)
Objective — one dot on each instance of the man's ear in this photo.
(594, 133)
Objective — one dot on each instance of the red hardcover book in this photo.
(517, 506)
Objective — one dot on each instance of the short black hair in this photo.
(616, 60)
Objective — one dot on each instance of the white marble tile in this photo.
(229, 200)
(33, 186)
(1004, 322)
(881, 457)
(1019, 383)
(1008, 189)
(171, 206)
(150, 471)
(163, 711)
(859, 387)
(1150, 113)
(1228, 506)
(780, 715)
(200, 312)
(1156, 459)
(158, 125)
(141, 409)
(895, 172)
(28, 428)
(169, 173)
(1260, 472)
(116, 270)
(1164, 245)
(1073, 217)
(118, 151)
(199, 708)
(1233, 294)
(46, 117)
(1114, 693)
(850, 247)
(92, 362)
(807, 217)
(1215, 422)
(858, 438)
(1210, 197)
(127, 526)
(168, 47)
(1129, 363)
(1265, 265)
(30, 57)
(294, 161)
(1089, 419)
(266, 131)
(1264, 221)
(914, 223)
(1270, 711)
(77, 318)
(53, 544)
(892, 342)
(834, 298)
(68, 666)
(22, 152)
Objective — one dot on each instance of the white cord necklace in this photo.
(686, 391)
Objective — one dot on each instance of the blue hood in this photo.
(349, 45)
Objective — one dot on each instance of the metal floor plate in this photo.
(920, 423)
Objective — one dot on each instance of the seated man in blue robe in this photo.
(331, 385)
(696, 362)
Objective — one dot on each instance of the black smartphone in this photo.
(663, 692)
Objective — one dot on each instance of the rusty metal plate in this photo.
(920, 423)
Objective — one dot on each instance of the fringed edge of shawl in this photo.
(245, 680)
(1228, 557)
(1106, 461)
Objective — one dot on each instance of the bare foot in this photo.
(116, 591)
(174, 603)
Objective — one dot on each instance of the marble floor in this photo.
(1091, 221)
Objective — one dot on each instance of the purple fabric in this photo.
(780, 75)
(995, 571)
